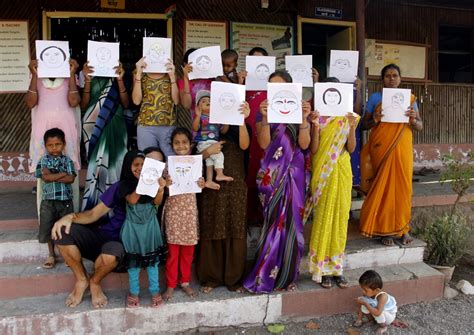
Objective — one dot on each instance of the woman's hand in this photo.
(169, 181)
(201, 182)
(73, 66)
(411, 113)
(87, 70)
(306, 107)
(314, 119)
(187, 69)
(245, 109)
(33, 66)
(161, 183)
(314, 75)
(215, 148)
(358, 84)
(378, 116)
(170, 68)
(140, 65)
(352, 119)
(119, 71)
(264, 107)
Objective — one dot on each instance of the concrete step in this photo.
(21, 246)
(409, 283)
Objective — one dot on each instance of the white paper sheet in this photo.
(258, 68)
(53, 59)
(103, 56)
(184, 172)
(299, 67)
(226, 99)
(206, 63)
(284, 103)
(333, 99)
(156, 51)
(395, 102)
(148, 183)
(344, 65)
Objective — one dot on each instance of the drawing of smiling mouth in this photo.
(285, 112)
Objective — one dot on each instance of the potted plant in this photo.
(447, 235)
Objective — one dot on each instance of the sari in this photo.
(104, 134)
(281, 182)
(329, 199)
(386, 211)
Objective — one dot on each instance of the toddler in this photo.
(375, 302)
(58, 173)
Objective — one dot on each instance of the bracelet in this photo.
(307, 126)
(76, 91)
(34, 92)
(187, 92)
(173, 82)
(265, 124)
(86, 91)
(124, 91)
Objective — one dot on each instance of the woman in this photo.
(281, 183)
(104, 131)
(223, 220)
(386, 211)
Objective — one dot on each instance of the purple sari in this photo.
(281, 181)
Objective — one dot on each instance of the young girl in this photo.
(141, 233)
(181, 224)
(329, 200)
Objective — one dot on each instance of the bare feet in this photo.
(99, 300)
(75, 298)
(224, 178)
(188, 290)
(212, 185)
(168, 295)
(357, 323)
(381, 329)
(206, 289)
(407, 239)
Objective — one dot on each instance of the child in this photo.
(380, 305)
(141, 233)
(229, 65)
(181, 224)
(207, 135)
(58, 173)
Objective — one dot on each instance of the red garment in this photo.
(179, 257)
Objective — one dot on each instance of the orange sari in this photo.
(387, 209)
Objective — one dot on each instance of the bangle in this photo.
(34, 92)
(265, 124)
(86, 91)
(75, 91)
(307, 126)
(173, 82)
(124, 91)
(187, 92)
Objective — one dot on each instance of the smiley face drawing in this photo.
(157, 54)
(203, 63)
(53, 57)
(227, 101)
(262, 72)
(150, 176)
(299, 72)
(342, 64)
(284, 103)
(332, 97)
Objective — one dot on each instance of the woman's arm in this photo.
(244, 138)
(174, 85)
(304, 138)
(415, 119)
(186, 98)
(263, 127)
(358, 100)
(213, 149)
(132, 198)
(124, 99)
(73, 96)
(351, 138)
(31, 97)
(86, 91)
(137, 82)
(314, 121)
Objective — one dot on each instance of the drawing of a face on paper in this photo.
(157, 54)
(53, 57)
(203, 63)
(284, 103)
(103, 55)
(184, 175)
(397, 100)
(150, 176)
(342, 64)
(262, 72)
(332, 97)
(299, 72)
(227, 101)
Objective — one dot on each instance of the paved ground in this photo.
(453, 316)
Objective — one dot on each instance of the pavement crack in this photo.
(266, 309)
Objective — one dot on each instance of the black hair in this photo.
(332, 89)
(282, 74)
(390, 66)
(332, 80)
(258, 49)
(187, 53)
(148, 150)
(182, 131)
(371, 279)
(54, 132)
(230, 53)
(53, 46)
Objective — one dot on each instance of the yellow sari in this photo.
(330, 199)
(387, 208)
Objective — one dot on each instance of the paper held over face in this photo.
(104, 57)
(151, 171)
(226, 99)
(53, 59)
(157, 52)
(284, 103)
(333, 99)
(206, 63)
(258, 68)
(300, 69)
(344, 65)
(395, 103)
(184, 172)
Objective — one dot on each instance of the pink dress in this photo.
(53, 111)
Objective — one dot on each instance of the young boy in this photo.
(58, 173)
(206, 135)
(229, 65)
(376, 303)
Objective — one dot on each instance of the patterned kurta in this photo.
(181, 219)
(157, 103)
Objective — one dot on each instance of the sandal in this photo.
(357, 323)
(133, 301)
(156, 300)
(326, 282)
(388, 241)
(407, 239)
(341, 281)
(206, 289)
(292, 287)
(188, 290)
(49, 263)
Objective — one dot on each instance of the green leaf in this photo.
(276, 328)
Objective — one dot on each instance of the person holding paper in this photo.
(386, 211)
(157, 93)
(281, 181)
(207, 134)
(333, 139)
(104, 131)
(54, 104)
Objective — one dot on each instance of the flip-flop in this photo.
(341, 281)
(133, 301)
(49, 263)
(157, 301)
(406, 239)
(326, 282)
(388, 241)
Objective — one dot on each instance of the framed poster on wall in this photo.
(14, 56)
(277, 40)
(198, 34)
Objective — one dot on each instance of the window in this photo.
(456, 54)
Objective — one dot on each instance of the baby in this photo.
(229, 66)
(376, 303)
